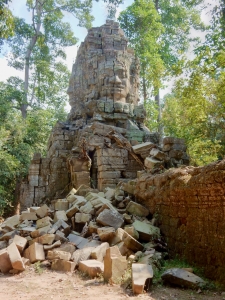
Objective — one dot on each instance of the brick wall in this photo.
(190, 203)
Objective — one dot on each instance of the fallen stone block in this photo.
(36, 253)
(11, 221)
(110, 218)
(137, 209)
(56, 254)
(82, 218)
(106, 234)
(46, 239)
(45, 229)
(15, 257)
(141, 277)
(26, 215)
(42, 211)
(82, 254)
(109, 194)
(7, 236)
(34, 234)
(151, 163)
(114, 264)
(44, 222)
(60, 215)
(71, 211)
(146, 231)
(91, 267)
(50, 247)
(129, 241)
(144, 147)
(62, 265)
(99, 252)
(77, 240)
(20, 242)
(182, 278)
(156, 153)
(5, 262)
(62, 204)
(60, 236)
(132, 231)
(67, 247)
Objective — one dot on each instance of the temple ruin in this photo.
(96, 145)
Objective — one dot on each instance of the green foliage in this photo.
(196, 108)
(19, 139)
(6, 22)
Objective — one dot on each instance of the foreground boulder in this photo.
(142, 275)
(182, 278)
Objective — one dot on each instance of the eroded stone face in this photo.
(105, 77)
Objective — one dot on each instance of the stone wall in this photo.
(190, 205)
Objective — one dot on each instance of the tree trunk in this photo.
(159, 119)
(39, 8)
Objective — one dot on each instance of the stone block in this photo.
(137, 209)
(20, 242)
(141, 277)
(60, 215)
(72, 210)
(99, 252)
(15, 257)
(56, 254)
(62, 265)
(11, 221)
(36, 253)
(62, 204)
(46, 221)
(151, 163)
(114, 264)
(46, 239)
(50, 247)
(26, 215)
(146, 231)
(106, 234)
(5, 262)
(182, 278)
(82, 217)
(110, 218)
(82, 254)
(129, 241)
(91, 267)
(109, 194)
(77, 240)
(42, 211)
(156, 153)
(132, 231)
(143, 147)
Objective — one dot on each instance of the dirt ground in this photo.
(55, 285)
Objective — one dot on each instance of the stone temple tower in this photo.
(92, 146)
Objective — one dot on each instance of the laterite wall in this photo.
(190, 203)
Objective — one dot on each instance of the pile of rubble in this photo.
(94, 232)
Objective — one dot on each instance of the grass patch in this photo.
(37, 268)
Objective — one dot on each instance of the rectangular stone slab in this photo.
(140, 274)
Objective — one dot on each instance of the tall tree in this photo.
(37, 47)
(164, 40)
(195, 109)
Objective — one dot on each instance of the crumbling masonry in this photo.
(94, 146)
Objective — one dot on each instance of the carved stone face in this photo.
(115, 84)
(105, 70)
